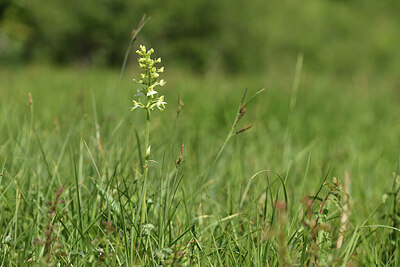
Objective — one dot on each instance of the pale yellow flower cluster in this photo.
(149, 80)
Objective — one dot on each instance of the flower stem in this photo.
(146, 168)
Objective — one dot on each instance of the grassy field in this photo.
(71, 181)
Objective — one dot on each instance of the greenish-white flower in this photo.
(151, 92)
(149, 81)
(136, 105)
(161, 103)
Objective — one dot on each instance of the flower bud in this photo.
(148, 152)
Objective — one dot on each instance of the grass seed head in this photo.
(244, 129)
(30, 101)
(179, 160)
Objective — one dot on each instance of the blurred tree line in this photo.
(204, 34)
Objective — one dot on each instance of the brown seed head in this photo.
(180, 105)
(244, 129)
(242, 111)
(30, 100)
(180, 157)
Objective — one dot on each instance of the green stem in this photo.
(230, 134)
(146, 168)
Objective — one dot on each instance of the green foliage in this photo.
(77, 134)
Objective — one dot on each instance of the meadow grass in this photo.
(71, 182)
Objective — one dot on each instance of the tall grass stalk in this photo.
(241, 111)
(134, 36)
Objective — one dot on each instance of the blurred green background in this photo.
(336, 36)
